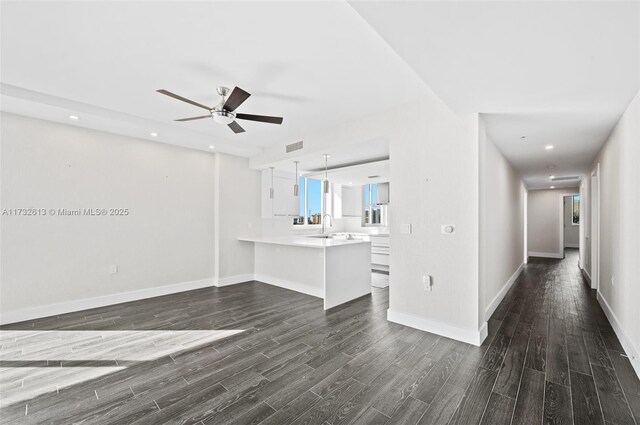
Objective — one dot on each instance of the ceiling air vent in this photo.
(561, 179)
(294, 147)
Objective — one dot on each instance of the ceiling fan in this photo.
(224, 111)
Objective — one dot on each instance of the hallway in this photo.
(574, 370)
(551, 357)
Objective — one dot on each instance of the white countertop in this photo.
(303, 241)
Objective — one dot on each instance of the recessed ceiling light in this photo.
(154, 134)
(523, 137)
(211, 147)
(548, 147)
(552, 177)
(552, 187)
(74, 117)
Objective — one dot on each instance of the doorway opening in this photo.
(571, 221)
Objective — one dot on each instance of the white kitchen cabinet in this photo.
(383, 193)
(380, 250)
(283, 204)
(351, 201)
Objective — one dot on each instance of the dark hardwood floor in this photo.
(258, 354)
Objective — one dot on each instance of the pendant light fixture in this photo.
(326, 172)
(271, 188)
(296, 188)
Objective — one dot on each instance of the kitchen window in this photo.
(375, 213)
(310, 195)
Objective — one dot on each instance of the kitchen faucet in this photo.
(324, 222)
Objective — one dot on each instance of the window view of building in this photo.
(374, 214)
(310, 193)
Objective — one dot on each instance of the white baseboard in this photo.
(545, 254)
(465, 335)
(586, 275)
(293, 286)
(572, 245)
(232, 280)
(629, 348)
(101, 301)
(500, 296)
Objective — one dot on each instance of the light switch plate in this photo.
(405, 229)
(113, 269)
(427, 283)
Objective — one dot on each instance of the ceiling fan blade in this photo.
(236, 127)
(235, 99)
(260, 118)
(184, 99)
(194, 118)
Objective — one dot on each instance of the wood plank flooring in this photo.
(257, 354)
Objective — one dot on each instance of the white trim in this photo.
(469, 336)
(232, 280)
(629, 348)
(525, 223)
(586, 274)
(545, 254)
(572, 245)
(100, 301)
(293, 286)
(595, 230)
(500, 296)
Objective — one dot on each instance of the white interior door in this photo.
(595, 229)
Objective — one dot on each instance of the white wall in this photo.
(237, 192)
(167, 238)
(571, 231)
(434, 171)
(501, 224)
(544, 221)
(618, 290)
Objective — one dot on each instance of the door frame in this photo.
(525, 224)
(561, 216)
(595, 227)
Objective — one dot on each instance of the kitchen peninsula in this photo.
(335, 270)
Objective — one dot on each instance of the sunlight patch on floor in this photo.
(37, 362)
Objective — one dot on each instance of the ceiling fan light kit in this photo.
(224, 111)
(223, 117)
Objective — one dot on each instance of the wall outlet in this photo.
(427, 282)
(113, 269)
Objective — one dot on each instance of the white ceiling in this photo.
(317, 64)
(561, 73)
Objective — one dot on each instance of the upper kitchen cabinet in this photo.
(283, 204)
(351, 201)
(383, 193)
